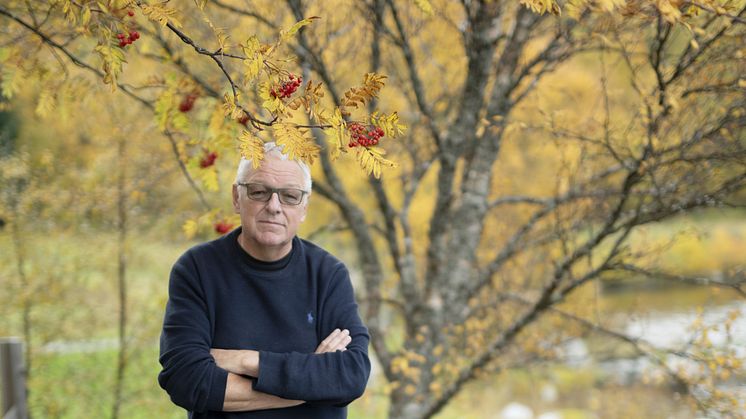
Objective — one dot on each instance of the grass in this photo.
(72, 289)
(80, 386)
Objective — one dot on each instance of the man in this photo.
(260, 323)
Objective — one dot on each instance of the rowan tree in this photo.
(533, 138)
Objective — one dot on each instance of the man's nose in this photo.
(274, 203)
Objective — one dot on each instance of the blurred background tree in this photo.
(554, 152)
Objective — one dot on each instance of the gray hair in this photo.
(245, 166)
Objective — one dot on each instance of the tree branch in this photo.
(217, 56)
(124, 88)
(414, 78)
(735, 283)
(243, 12)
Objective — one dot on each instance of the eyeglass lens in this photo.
(287, 196)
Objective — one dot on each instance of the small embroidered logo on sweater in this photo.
(309, 317)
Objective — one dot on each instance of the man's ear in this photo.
(236, 207)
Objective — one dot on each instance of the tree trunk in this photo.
(121, 278)
(404, 407)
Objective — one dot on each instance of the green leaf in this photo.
(289, 33)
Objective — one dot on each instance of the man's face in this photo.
(268, 228)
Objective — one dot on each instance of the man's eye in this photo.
(291, 196)
(257, 194)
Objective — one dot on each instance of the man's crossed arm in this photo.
(239, 392)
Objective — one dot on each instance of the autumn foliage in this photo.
(489, 164)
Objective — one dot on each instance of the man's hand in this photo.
(246, 362)
(240, 396)
(336, 341)
(237, 361)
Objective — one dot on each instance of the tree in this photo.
(529, 200)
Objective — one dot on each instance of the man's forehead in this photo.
(275, 170)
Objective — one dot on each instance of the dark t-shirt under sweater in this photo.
(220, 297)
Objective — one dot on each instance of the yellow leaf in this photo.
(163, 106)
(161, 14)
(388, 123)
(230, 107)
(223, 40)
(85, 16)
(372, 161)
(254, 58)
(295, 142)
(337, 134)
(253, 67)
(209, 178)
(251, 148)
(437, 368)
(190, 228)
(272, 104)
(425, 6)
(112, 58)
(360, 96)
(251, 47)
(310, 100)
(69, 11)
(46, 103)
(289, 33)
(215, 126)
(10, 81)
(542, 6)
(670, 13)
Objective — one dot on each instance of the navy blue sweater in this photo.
(220, 297)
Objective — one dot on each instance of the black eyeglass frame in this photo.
(273, 191)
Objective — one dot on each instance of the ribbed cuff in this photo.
(269, 374)
(216, 398)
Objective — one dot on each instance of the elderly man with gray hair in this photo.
(260, 323)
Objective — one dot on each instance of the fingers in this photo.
(336, 341)
(341, 341)
(220, 357)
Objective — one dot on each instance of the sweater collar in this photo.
(255, 263)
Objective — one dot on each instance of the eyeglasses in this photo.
(263, 193)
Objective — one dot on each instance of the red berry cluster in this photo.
(288, 88)
(126, 39)
(208, 159)
(362, 137)
(187, 103)
(223, 227)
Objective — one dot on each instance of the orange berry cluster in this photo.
(126, 39)
(288, 88)
(360, 136)
(223, 227)
(208, 159)
(187, 103)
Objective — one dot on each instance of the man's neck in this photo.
(264, 254)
